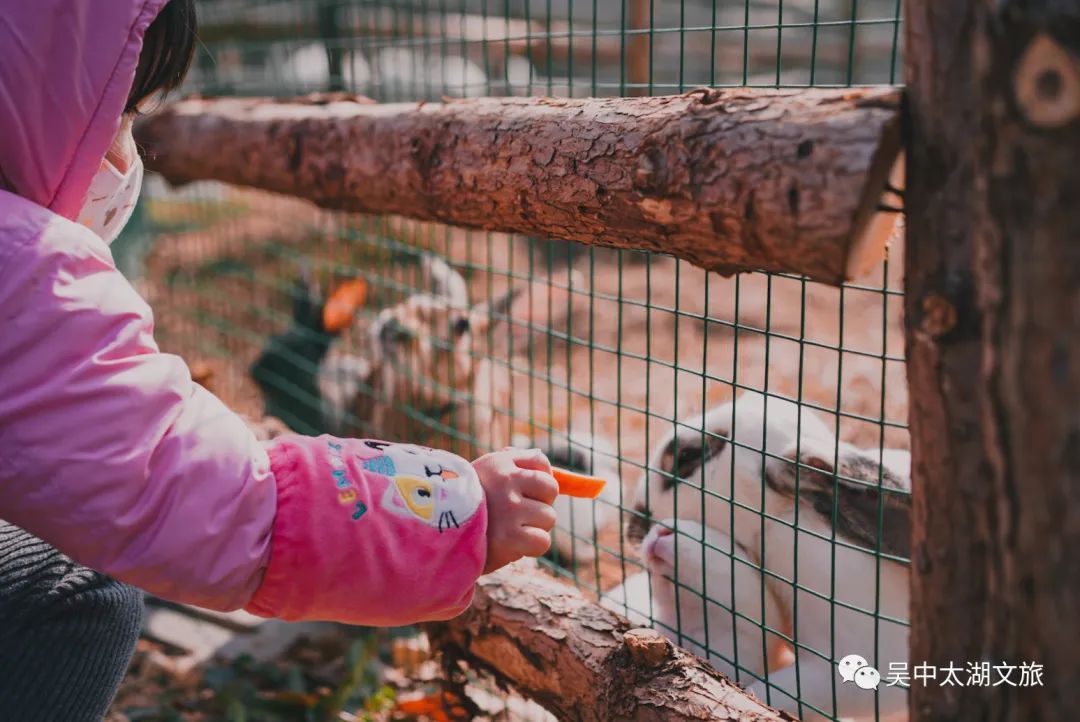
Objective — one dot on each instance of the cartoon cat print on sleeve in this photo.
(437, 488)
(434, 487)
(409, 521)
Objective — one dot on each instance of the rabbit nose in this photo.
(638, 525)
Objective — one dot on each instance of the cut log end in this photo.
(878, 215)
(1047, 83)
(647, 647)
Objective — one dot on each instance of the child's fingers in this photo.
(531, 459)
(537, 514)
(538, 485)
(535, 542)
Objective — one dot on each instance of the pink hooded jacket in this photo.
(111, 453)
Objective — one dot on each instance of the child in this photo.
(115, 459)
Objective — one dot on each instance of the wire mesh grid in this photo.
(621, 363)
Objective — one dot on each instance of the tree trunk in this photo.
(583, 662)
(728, 180)
(993, 335)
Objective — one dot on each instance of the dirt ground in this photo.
(358, 674)
(640, 342)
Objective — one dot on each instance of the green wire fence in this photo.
(623, 350)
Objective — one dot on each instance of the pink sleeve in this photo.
(372, 533)
(112, 454)
(108, 450)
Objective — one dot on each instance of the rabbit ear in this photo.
(798, 463)
(870, 503)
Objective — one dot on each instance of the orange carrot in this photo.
(572, 483)
(432, 706)
(422, 708)
(342, 305)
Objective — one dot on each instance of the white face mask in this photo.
(112, 196)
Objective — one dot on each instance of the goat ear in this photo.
(483, 315)
(529, 306)
(445, 282)
(504, 304)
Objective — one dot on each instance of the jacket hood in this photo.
(66, 69)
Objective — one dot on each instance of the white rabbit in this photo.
(417, 74)
(309, 67)
(846, 596)
(632, 599)
(580, 520)
(897, 461)
(735, 470)
(707, 461)
(710, 598)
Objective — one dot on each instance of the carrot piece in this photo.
(432, 706)
(572, 483)
(343, 304)
(426, 705)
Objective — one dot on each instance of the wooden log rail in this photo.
(583, 662)
(730, 180)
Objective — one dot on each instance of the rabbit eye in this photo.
(460, 327)
(687, 461)
(682, 462)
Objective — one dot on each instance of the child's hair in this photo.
(168, 48)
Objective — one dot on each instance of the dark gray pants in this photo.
(66, 633)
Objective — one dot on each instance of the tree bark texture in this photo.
(993, 337)
(583, 662)
(728, 180)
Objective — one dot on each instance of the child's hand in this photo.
(520, 491)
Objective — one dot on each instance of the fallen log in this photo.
(730, 180)
(583, 662)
